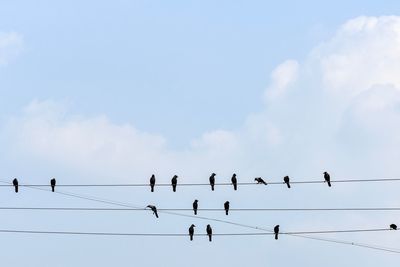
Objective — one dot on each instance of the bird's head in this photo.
(196, 200)
(175, 176)
(193, 225)
(234, 175)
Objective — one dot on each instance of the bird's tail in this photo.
(152, 188)
(226, 212)
(276, 236)
(209, 238)
(191, 237)
(195, 212)
(174, 188)
(329, 183)
(155, 213)
(52, 188)
(288, 185)
(235, 186)
(212, 187)
(16, 189)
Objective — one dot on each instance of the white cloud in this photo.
(10, 46)
(282, 77)
(336, 110)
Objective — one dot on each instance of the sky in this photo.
(112, 92)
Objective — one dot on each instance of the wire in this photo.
(206, 184)
(180, 234)
(185, 209)
(374, 247)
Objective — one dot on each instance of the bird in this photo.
(226, 207)
(276, 231)
(209, 232)
(195, 206)
(152, 182)
(154, 209)
(393, 226)
(327, 178)
(260, 180)
(174, 181)
(191, 231)
(15, 183)
(212, 181)
(53, 184)
(286, 179)
(234, 181)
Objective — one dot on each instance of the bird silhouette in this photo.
(276, 231)
(174, 182)
(195, 206)
(260, 180)
(154, 209)
(286, 179)
(234, 181)
(327, 178)
(152, 182)
(212, 181)
(226, 207)
(393, 226)
(191, 231)
(15, 183)
(209, 232)
(53, 184)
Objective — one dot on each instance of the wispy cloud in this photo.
(11, 45)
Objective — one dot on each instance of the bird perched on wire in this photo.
(174, 182)
(212, 181)
(276, 231)
(152, 182)
(195, 206)
(234, 181)
(15, 183)
(209, 232)
(393, 226)
(327, 178)
(154, 209)
(191, 231)
(53, 184)
(226, 207)
(260, 180)
(286, 180)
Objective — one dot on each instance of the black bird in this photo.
(234, 181)
(209, 232)
(212, 181)
(260, 180)
(195, 206)
(53, 184)
(191, 231)
(393, 226)
(286, 179)
(276, 231)
(15, 183)
(174, 181)
(152, 182)
(226, 206)
(327, 178)
(154, 209)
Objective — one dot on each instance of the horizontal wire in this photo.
(186, 209)
(180, 234)
(330, 240)
(206, 184)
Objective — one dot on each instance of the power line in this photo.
(186, 209)
(207, 184)
(181, 234)
(334, 241)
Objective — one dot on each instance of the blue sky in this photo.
(107, 92)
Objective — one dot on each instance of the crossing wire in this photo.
(337, 241)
